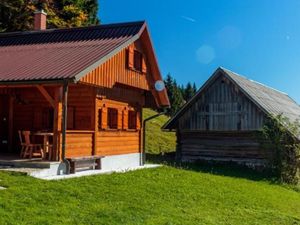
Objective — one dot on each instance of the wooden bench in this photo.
(86, 162)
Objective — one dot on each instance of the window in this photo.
(131, 119)
(112, 118)
(138, 57)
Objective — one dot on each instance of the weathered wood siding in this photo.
(221, 125)
(222, 107)
(222, 146)
(115, 70)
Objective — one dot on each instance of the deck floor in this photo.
(14, 160)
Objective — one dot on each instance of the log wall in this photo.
(221, 125)
(222, 146)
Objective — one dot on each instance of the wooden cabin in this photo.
(87, 86)
(221, 121)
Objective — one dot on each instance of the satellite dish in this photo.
(159, 85)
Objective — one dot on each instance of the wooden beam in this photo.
(57, 124)
(95, 127)
(10, 122)
(47, 96)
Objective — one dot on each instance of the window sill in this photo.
(132, 130)
(137, 71)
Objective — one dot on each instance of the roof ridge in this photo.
(254, 81)
(100, 26)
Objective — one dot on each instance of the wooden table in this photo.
(46, 145)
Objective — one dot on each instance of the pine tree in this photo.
(175, 95)
(189, 92)
(195, 88)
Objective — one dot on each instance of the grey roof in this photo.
(269, 100)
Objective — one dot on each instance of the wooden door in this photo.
(3, 123)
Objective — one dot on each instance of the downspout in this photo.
(64, 125)
(144, 135)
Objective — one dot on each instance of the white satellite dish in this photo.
(159, 85)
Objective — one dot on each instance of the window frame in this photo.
(112, 111)
(138, 58)
(130, 119)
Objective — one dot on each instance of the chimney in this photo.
(40, 20)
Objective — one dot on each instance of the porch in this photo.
(14, 160)
(42, 109)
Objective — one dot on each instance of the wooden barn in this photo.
(77, 92)
(221, 121)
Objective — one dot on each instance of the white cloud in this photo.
(189, 19)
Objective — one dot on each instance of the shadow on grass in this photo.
(212, 167)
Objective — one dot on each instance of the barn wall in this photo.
(241, 147)
(115, 70)
(222, 107)
(221, 125)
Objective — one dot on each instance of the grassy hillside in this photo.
(156, 140)
(164, 195)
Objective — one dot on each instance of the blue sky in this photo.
(256, 38)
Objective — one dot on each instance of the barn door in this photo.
(3, 123)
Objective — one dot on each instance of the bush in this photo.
(282, 138)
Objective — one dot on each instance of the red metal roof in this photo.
(61, 53)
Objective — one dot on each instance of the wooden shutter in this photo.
(125, 119)
(99, 119)
(120, 119)
(144, 65)
(130, 57)
(138, 120)
(104, 118)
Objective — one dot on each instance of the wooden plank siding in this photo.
(222, 108)
(79, 143)
(120, 142)
(84, 139)
(115, 71)
(221, 125)
(222, 146)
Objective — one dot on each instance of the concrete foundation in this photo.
(57, 170)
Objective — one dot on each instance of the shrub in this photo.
(281, 136)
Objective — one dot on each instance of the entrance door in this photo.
(3, 123)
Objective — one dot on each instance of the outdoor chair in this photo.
(22, 143)
(30, 149)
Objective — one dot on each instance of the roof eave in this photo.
(35, 82)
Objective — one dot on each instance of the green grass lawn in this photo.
(156, 140)
(164, 195)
